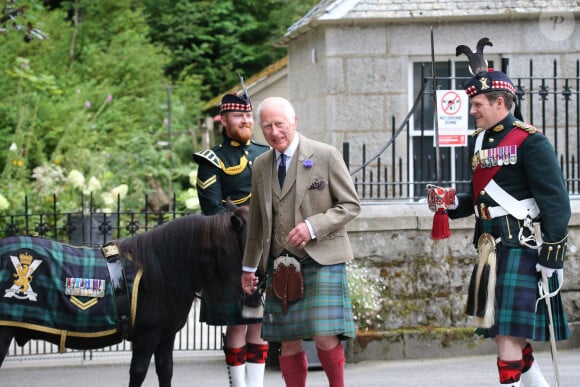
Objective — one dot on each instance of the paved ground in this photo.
(206, 369)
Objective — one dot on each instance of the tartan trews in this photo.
(325, 310)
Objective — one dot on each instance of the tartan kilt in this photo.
(224, 313)
(325, 310)
(517, 293)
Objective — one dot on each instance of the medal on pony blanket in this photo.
(440, 199)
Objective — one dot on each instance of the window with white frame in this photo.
(455, 166)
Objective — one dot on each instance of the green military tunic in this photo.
(532, 172)
(225, 171)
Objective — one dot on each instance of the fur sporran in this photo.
(481, 294)
(287, 281)
(253, 304)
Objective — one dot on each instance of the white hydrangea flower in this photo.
(192, 203)
(76, 179)
(120, 191)
(4, 204)
(190, 199)
(93, 185)
(108, 199)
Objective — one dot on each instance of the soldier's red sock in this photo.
(509, 370)
(257, 353)
(235, 356)
(528, 357)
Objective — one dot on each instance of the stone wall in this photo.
(422, 283)
(348, 80)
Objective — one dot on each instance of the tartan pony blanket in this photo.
(56, 288)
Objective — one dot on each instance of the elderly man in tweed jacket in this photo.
(302, 199)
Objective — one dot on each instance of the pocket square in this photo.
(318, 184)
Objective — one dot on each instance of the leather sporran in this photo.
(287, 281)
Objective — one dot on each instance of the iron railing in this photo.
(92, 228)
(88, 226)
(552, 104)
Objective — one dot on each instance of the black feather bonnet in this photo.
(484, 79)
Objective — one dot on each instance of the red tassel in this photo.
(440, 228)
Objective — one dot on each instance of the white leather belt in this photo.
(488, 213)
(529, 205)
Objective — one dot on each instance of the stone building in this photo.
(354, 69)
(353, 72)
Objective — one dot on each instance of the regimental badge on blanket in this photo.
(24, 267)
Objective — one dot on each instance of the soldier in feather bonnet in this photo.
(224, 174)
(522, 209)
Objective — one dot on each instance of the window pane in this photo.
(425, 166)
(423, 117)
(424, 153)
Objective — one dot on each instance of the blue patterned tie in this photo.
(282, 169)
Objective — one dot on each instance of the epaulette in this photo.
(208, 155)
(477, 131)
(527, 127)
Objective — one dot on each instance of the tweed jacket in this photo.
(324, 194)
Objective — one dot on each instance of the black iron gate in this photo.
(551, 103)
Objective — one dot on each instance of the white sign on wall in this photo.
(452, 117)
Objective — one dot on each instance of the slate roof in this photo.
(336, 11)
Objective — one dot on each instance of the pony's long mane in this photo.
(187, 255)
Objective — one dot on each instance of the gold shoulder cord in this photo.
(527, 127)
(235, 169)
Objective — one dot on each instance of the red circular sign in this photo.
(450, 103)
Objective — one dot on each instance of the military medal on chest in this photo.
(492, 157)
(513, 154)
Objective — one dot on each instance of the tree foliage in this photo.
(91, 98)
(217, 38)
(87, 87)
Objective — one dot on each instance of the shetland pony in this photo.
(171, 264)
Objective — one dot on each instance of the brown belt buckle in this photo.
(484, 212)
